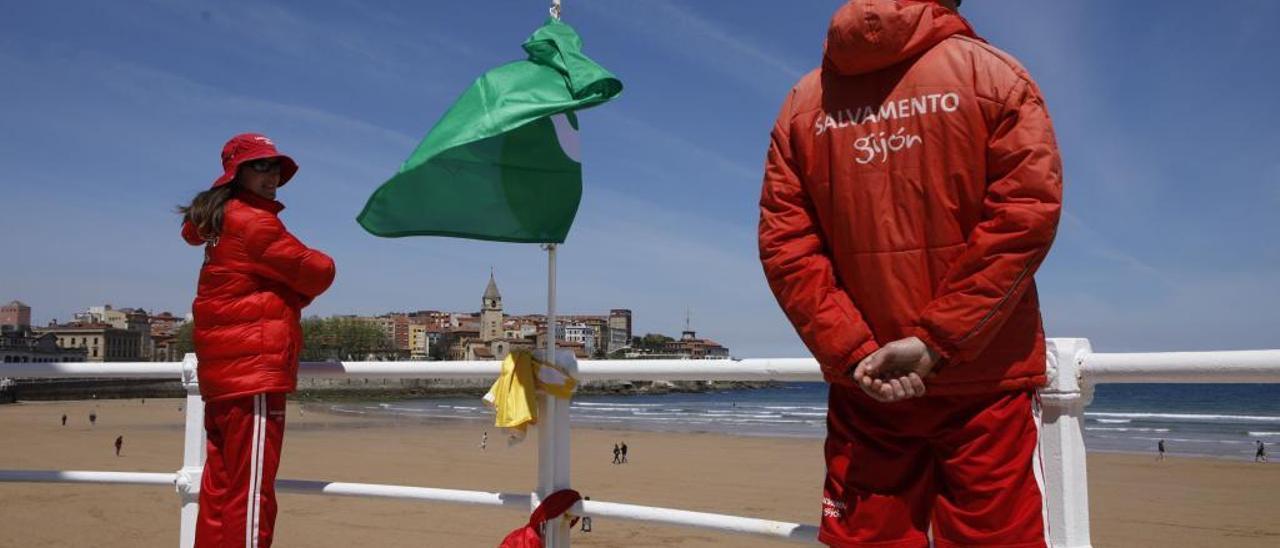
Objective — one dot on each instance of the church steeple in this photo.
(688, 333)
(491, 316)
(491, 293)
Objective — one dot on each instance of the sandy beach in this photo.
(1135, 501)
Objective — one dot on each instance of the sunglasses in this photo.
(264, 166)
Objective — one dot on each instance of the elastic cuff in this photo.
(842, 373)
(861, 352)
(944, 354)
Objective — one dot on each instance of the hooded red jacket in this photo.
(913, 186)
(255, 281)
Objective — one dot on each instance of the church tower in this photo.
(491, 312)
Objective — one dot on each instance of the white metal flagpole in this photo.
(553, 414)
(553, 426)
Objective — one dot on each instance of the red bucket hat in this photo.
(247, 147)
(530, 536)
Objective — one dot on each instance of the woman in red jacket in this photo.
(255, 281)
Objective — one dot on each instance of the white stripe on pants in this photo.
(255, 474)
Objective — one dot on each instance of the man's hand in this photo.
(896, 371)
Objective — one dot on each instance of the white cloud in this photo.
(686, 35)
(637, 130)
(1076, 232)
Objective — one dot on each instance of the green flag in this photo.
(502, 164)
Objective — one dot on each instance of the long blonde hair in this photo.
(205, 210)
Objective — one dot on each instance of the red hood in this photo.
(868, 35)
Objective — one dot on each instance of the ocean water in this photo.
(1213, 420)
(1218, 420)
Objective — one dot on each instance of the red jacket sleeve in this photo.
(1020, 219)
(800, 272)
(190, 234)
(278, 255)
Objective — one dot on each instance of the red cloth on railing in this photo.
(530, 536)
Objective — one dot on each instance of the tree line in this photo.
(324, 339)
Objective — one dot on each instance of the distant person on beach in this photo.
(484, 440)
(254, 283)
(93, 418)
(913, 186)
(1160, 450)
(64, 419)
(1261, 454)
(119, 444)
(623, 448)
(617, 454)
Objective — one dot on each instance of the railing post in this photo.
(193, 451)
(553, 426)
(1062, 453)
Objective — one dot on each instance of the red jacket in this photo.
(254, 283)
(912, 188)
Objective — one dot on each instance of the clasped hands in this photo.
(896, 371)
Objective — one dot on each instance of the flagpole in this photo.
(553, 431)
(553, 434)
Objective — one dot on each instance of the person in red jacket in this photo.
(255, 281)
(912, 188)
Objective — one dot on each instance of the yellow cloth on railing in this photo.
(513, 395)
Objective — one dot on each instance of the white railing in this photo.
(1073, 370)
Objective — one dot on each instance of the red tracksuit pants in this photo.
(965, 468)
(237, 493)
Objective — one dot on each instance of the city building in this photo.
(16, 314)
(461, 342)
(491, 322)
(400, 332)
(689, 346)
(132, 320)
(21, 344)
(419, 341)
(580, 333)
(396, 327)
(164, 337)
(432, 318)
(438, 342)
(101, 342)
(519, 327)
(579, 349)
(502, 347)
(619, 330)
(164, 324)
(164, 348)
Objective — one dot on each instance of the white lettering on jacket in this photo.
(932, 103)
(879, 145)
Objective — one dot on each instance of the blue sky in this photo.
(112, 113)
